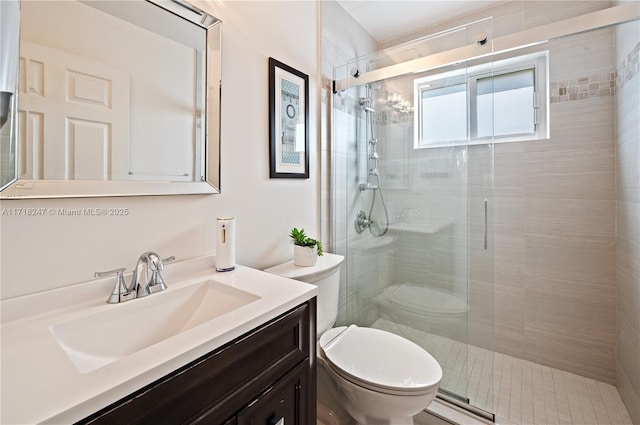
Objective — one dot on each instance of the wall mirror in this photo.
(114, 98)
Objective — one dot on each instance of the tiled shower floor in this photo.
(518, 391)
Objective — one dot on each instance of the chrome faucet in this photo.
(147, 278)
(120, 292)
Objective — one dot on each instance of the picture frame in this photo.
(288, 122)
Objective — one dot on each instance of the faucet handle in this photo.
(157, 263)
(120, 293)
(156, 282)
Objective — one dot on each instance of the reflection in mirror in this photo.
(9, 42)
(114, 98)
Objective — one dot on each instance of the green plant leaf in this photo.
(300, 237)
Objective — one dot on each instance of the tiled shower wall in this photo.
(545, 292)
(554, 223)
(628, 226)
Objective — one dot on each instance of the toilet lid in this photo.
(380, 360)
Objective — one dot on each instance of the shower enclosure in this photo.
(418, 204)
(473, 229)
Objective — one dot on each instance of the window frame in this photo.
(537, 61)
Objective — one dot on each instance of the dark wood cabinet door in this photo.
(282, 404)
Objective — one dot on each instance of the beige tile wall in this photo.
(554, 241)
(628, 215)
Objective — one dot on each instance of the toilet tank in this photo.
(326, 276)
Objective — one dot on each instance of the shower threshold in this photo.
(456, 400)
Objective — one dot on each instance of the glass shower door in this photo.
(419, 260)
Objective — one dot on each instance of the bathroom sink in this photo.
(99, 339)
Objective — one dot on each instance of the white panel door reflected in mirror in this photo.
(114, 95)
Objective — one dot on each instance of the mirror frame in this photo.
(38, 189)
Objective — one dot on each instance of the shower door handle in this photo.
(486, 235)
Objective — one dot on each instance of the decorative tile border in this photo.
(597, 85)
(393, 117)
(629, 68)
(581, 88)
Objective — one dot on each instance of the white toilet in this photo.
(380, 378)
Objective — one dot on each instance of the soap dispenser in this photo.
(225, 244)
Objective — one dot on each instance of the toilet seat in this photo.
(380, 361)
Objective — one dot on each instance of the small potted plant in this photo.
(305, 249)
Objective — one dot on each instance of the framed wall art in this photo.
(288, 122)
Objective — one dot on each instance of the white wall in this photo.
(43, 252)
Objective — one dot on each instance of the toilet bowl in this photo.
(380, 378)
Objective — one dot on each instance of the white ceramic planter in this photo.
(305, 256)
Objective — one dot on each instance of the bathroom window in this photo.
(496, 102)
(443, 112)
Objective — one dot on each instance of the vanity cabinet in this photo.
(265, 377)
(281, 404)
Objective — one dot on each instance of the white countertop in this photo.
(40, 384)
